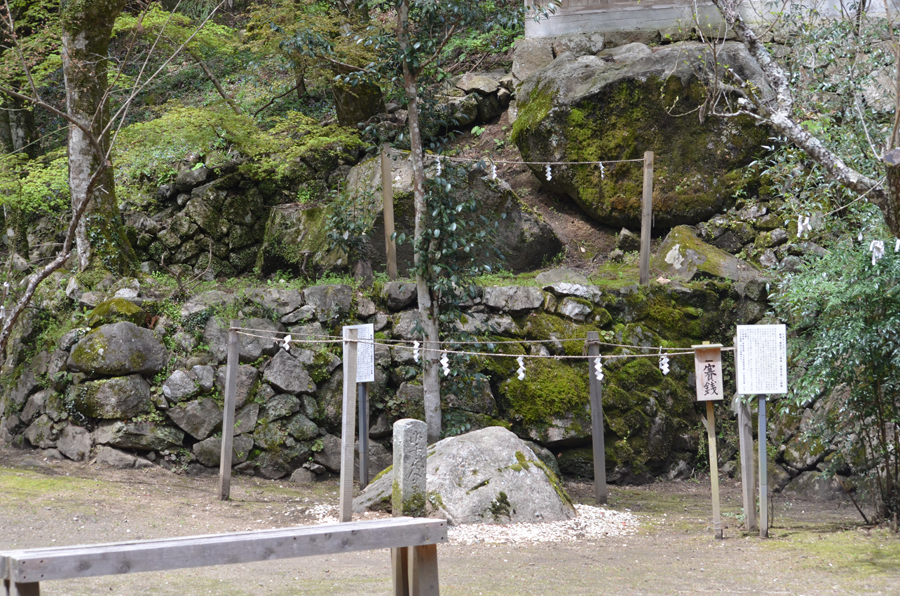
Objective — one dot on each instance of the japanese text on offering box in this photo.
(761, 359)
(708, 370)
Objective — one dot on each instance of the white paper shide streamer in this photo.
(663, 363)
(445, 363)
(521, 372)
(493, 171)
(416, 351)
(598, 368)
(897, 246)
(548, 174)
(439, 165)
(602, 171)
(877, 248)
(286, 344)
(803, 226)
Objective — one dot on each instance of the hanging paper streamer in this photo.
(860, 236)
(439, 165)
(445, 362)
(877, 248)
(493, 171)
(287, 344)
(548, 174)
(598, 368)
(416, 351)
(602, 171)
(803, 226)
(663, 363)
(897, 246)
(521, 371)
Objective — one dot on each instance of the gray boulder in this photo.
(215, 334)
(487, 476)
(280, 406)
(531, 55)
(246, 383)
(561, 275)
(330, 454)
(74, 442)
(113, 458)
(301, 428)
(330, 301)
(245, 419)
(279, 301)
(585, 109)
(41, 433)
(198, 418)
(209, 451)
(399, 294)
(181, 385)
(118, 349)
(513, 299)
(286, 374)
(628, 242)
(682, 255)
(206, 301)
(116, 398)
(147, 436)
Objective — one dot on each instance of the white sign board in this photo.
(708, 370)
(761, 359)
(365, 353)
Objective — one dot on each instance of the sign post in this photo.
(761, 364)
(600, 489)
(365, 374)
(708, 370)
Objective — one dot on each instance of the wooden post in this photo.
(363, 433)
(763, 471)
(231, 370)
(387, 190)
(600, 489)
(714, 469)
(400, 570)
(348, 422)
(646, 217)
(30, 589)
(423, 571)
(745, 439)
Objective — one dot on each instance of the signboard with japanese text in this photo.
(365, 353)
(708, 369)
(761, 359)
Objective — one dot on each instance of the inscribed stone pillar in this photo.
(410, 451)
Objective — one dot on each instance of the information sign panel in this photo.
(761, 355)
(708, 370)
(365, 353)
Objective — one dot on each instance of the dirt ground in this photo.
(814, 548)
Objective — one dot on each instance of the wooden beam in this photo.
(348, 424)
(363, 434)
(714, 470)
(423, 571)
(26, 566)
(400, 571)
(600, 490)
(387, 189)
(763, 471)
(646, 218)
(231, 370)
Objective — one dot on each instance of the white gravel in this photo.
(592, 523)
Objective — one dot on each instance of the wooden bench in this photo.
(413, 543)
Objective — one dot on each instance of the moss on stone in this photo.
(551, 388)
(116, 310)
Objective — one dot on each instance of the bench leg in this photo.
(16, 589)
(423, 571)
(400, 570)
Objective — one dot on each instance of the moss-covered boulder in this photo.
(116, 310)
(587, 109)
(116, 398)
(682, 255)
(295, 240)
(118, 349)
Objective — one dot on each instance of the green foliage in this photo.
(38, 186)
(847, 311)
(351, 220)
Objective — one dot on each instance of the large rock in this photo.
(286, 374)
(486, 476)
(181, 385)
(246, 383)
(115, 310)
(531, 55)
(209, 451)
(197, 418)
(41, 433)
(682, 255)
(118, 349)
(329, 301)
(587, 109)
(355, 104)
(116, 398)
(138, 435)
(524, 239)
(74, 442)
(296, 240)
(514, 299)
(251, 347)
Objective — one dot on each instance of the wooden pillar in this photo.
(714, 469)
(363, 434)
(348, 422)
(423, 571)
(600, 489)
(745, 440)
(400, 570)
(31, 589)
(763, 471)
(387, 190)
(646, 218)
(231, 370)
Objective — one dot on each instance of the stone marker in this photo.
(410, 444)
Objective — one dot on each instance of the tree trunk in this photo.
(428, 308)
(86, 29)
(20, 133)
